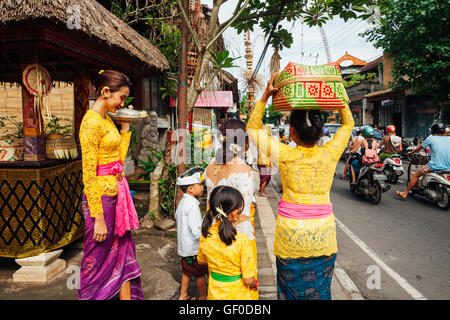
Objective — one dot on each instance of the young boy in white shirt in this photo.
(189, 224)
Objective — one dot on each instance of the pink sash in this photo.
(304, 211)
(126, 216)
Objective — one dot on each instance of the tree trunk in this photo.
(153, 207)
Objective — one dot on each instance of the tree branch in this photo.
(146, 19)
(223, 27)
(186, 20)
(266, 14)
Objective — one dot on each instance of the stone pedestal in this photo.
(41, 268)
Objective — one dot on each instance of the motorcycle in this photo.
(393, 168)
(370, 182)
(413, 145)
(405, 145)
(434, 185)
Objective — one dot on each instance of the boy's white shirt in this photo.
(189, 226)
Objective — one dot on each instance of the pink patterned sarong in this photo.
(126, 215)
(304, 211)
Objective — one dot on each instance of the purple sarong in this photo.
(264, 174)
(107, 265)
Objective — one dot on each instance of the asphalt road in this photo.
(393, 250)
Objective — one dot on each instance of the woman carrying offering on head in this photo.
(305, 236)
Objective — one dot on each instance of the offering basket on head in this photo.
(304, 87)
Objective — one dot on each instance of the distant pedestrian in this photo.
(109, 268)
(325, 136)
(189, 225)
(227, 252)
(265, 174)
(305, 243)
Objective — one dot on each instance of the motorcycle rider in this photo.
(350, 158)
(439, 145)
(368, 139)
(391, 142)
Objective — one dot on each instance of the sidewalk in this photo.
(342, 287)
(157, 256)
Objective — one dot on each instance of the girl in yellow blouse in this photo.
(305, 235)
(227, 252)
(109, 268)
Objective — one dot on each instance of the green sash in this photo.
(224, 278)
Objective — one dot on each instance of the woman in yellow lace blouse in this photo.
(109, 268)
(305, 235)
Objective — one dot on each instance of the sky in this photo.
(342, 37)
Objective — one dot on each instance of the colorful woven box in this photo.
(309, 88)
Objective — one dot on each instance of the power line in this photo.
(349, 35)
(349, 28)
(261, 58)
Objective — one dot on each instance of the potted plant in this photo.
(59, 141)
(141, 180)
(55, 130)
(11, 139)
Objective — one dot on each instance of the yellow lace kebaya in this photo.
(233, 260)
(306, 176)
(101, 143)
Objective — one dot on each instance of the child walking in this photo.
(189, 222)
(227, 252)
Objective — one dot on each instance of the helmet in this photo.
(390, 129)
(438, 128)
(281, 131)
(325, 131)
(367, 131)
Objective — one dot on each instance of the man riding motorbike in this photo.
(392, 143)
(352, 155)
(439, 145)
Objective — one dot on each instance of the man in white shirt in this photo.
(189, 224)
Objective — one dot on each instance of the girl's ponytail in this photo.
(207, 221)
(223, 201)
(227, 231)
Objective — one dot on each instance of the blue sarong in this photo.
(305, 278)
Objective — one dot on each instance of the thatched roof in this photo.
(95, 21)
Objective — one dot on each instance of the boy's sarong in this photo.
(192, 268)
(305, 278)
(107, 265)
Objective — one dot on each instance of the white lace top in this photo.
(244, 182)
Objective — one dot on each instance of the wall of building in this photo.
(60, 101)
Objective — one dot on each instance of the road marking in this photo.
(414, 293)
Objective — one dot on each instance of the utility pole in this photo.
(182, 99)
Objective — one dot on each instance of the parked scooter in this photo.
(370, 182)
(393, 168)
(434, 185)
